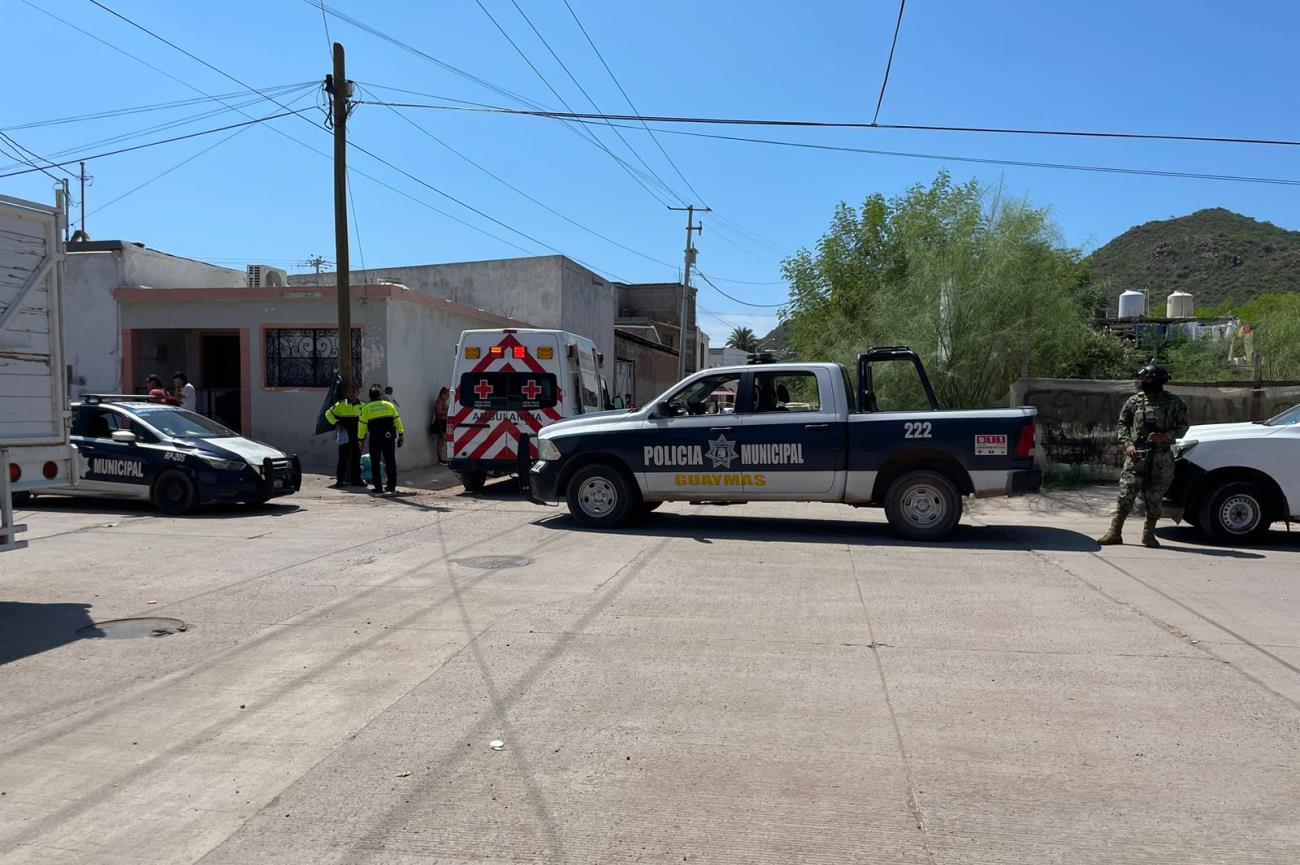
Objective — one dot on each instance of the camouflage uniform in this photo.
(1151, 472)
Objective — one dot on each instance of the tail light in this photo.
(15, 473)
(1025, 444)
(50, 470)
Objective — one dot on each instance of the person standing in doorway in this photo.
(184, 391)
(346, 417)
(382, 424)
(156, 391)
(439, 425)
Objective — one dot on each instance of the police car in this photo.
(127, 447)
(787, 432)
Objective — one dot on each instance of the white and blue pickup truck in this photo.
(786, 432)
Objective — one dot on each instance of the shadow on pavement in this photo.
(29, 629)
(706, 528)
(222, 511)
(502, 489)
(1280, 542)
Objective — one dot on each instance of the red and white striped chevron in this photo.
(488, 435)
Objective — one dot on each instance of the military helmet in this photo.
(1154, 372)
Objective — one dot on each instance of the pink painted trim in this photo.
(245, 384)
(309, 292)
(130, 342)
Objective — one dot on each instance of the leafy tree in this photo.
(743, 338)
(978, 284)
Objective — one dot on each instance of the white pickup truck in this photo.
(34, 417)
(1233, 480)
(786, 432)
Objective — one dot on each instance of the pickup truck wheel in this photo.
(1235, 513)
(175, 493)
(923, 505)
(472, 481)
(600, 496)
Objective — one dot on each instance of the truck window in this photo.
(714, 394)
(786, 391)
(590, 383)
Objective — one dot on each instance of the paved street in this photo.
(758, 683)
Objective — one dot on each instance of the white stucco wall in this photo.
(92, 328)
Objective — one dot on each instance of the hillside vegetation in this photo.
(1221, 257)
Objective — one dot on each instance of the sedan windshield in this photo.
(1286, 418)
(182, 424)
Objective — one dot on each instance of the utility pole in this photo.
(686, 284)
(66, 198)
(340, 89)
(82, 198)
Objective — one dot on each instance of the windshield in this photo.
(182, 424)
(1286, 418)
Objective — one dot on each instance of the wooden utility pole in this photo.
(340, 89)
(686, 286)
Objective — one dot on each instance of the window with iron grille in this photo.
(307, 357)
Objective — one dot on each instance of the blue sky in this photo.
(1196, 68)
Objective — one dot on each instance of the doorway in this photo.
(218, 391)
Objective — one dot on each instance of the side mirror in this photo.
(124, 437)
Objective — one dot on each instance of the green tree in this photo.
(979, 285)
(743, 338)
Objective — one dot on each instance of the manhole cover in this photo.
(128, 629)
(494, 563)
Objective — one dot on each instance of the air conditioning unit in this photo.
(265, 276)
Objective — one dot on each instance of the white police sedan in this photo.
(131, 448)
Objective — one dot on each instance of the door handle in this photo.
(816, 425)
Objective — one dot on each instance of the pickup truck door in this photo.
(793, 434)
(691, 447)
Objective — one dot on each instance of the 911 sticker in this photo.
(990, 445)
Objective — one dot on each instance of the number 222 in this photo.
(916, 430)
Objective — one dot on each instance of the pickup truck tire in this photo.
(1235, 513)
(175, 493)
(472, 481)
(600, 496)
(923, 505)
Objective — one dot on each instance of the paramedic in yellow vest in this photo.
(381, 422)
(346, 415)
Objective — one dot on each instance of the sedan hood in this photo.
(250, 451)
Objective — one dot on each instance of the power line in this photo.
(736, 299)
(1104, 169)
(889, 64)
(849, 124)
(29, 157)
(557, 95)
(157, 106)
(628, 99)
(172, 140)
(584, 92)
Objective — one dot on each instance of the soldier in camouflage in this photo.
(1149, 423)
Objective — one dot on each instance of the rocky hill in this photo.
(1217, 255)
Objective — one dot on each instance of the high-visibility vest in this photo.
(343, 410)
(379, 412)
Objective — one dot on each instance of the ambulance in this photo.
(509, 381)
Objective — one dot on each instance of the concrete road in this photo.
(759, 683)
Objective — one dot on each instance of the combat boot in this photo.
(1114, 535)
(1149, 533)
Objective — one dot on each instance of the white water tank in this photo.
(1180, 305)
(1132, 304)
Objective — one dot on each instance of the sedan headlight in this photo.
(546, 450)
(223, 465)
(1182, 447)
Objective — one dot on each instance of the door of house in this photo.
(218, 389)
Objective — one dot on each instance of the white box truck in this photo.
(34, 415)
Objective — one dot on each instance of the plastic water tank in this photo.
(1132, 304)
(1180, 305)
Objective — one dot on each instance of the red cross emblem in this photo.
(483, 389)
(532, 389)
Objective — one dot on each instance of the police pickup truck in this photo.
(128, 447)
(786, 432)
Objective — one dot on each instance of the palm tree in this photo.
(743, 338)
